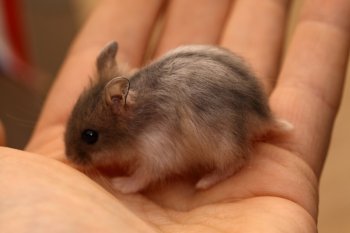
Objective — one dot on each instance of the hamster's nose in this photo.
(78, 156)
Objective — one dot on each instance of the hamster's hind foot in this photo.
(213, 178)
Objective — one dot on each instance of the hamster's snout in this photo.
(81, 159)
(77, 156)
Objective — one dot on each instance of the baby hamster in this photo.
(197, 108)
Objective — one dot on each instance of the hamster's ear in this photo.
(106, 63)
(116, 93)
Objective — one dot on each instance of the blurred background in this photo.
(37, 33)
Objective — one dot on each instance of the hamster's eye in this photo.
(89, 136)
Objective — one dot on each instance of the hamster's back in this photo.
(210, 82)
(198, 95)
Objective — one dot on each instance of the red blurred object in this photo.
(14, 57)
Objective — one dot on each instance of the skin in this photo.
(276, 192)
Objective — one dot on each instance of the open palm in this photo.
(276, 191)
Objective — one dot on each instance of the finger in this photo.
(2, 135)
(32, 185)
(255, 31)
(193, 22)
(310, 87)
(129, 23)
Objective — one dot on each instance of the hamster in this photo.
(198, 108)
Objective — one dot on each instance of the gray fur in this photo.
(196, 108)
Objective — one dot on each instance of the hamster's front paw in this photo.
(131, 184)
(126, 185)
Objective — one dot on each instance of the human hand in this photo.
(276, 191)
